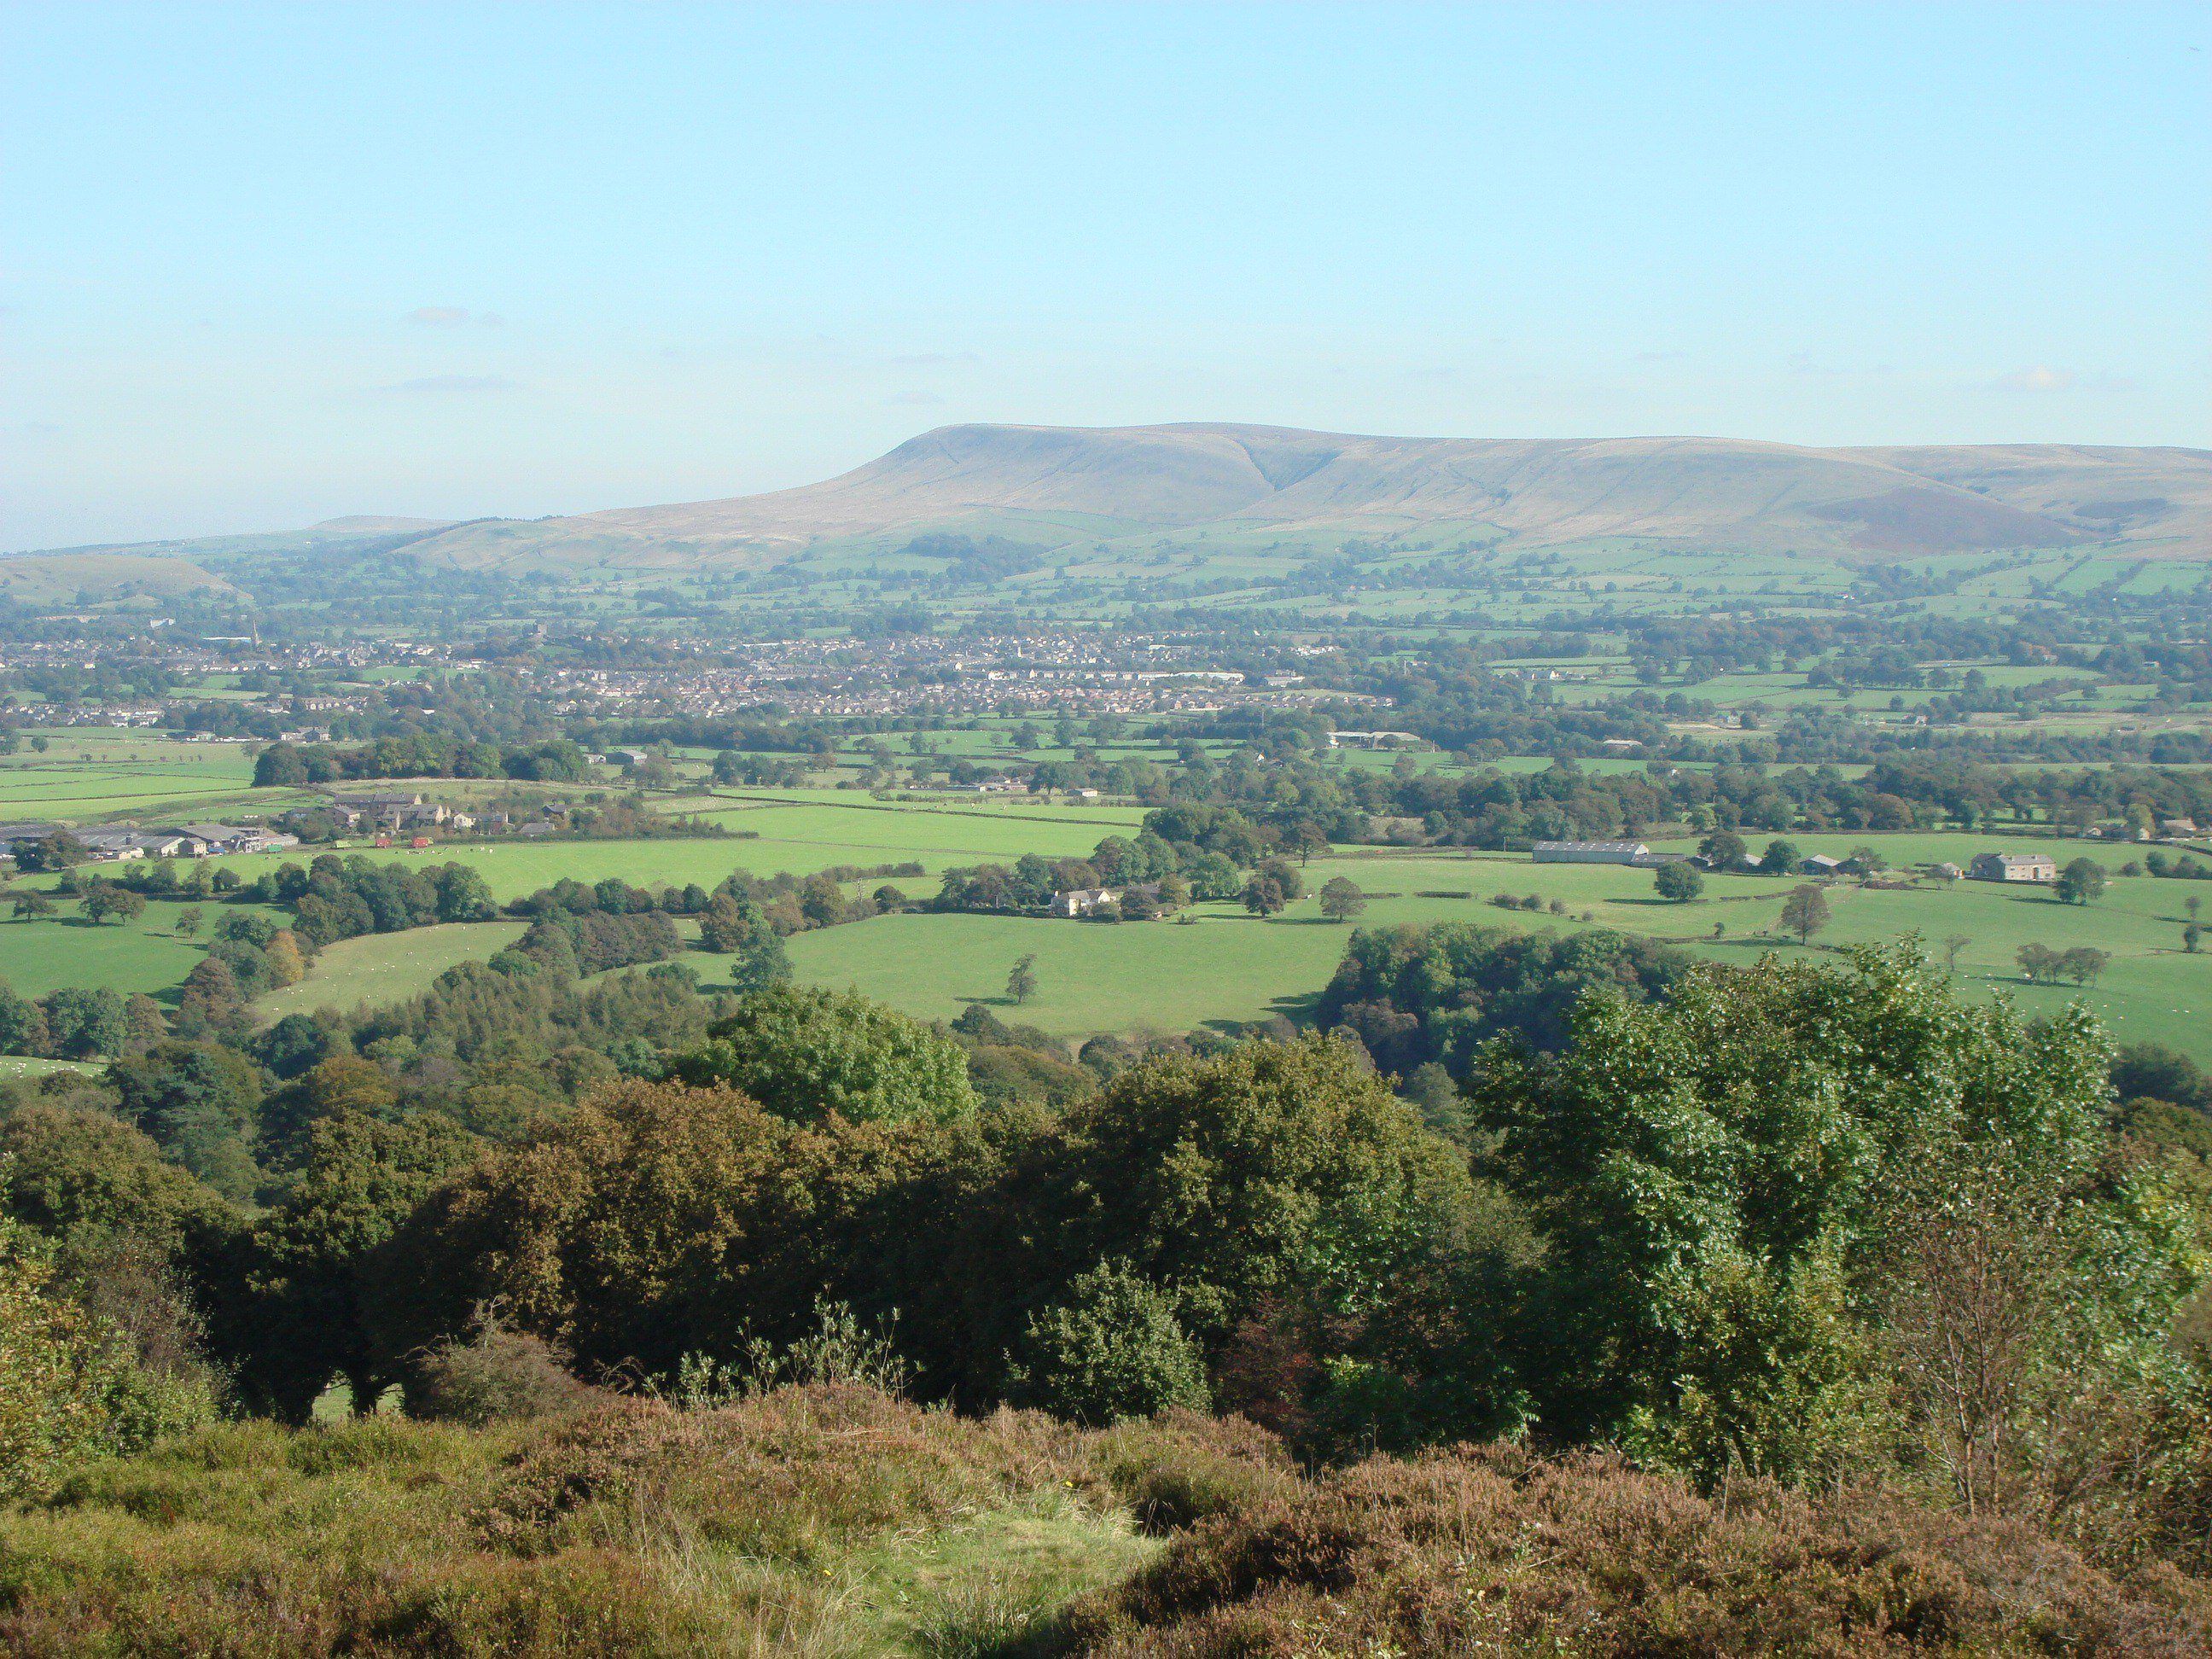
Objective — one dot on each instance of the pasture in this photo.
(45, 953)
(383, 968)
(1226, 969)
(87, 774)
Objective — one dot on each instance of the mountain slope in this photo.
(1057, 485)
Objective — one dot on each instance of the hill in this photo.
(1056, 485)
(48, 579)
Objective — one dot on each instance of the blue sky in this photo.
(264, 264)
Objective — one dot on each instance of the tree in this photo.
(1021, 982)
(739, 929)
(1874, 1192)
(1263, 896)
(1953, 944)
(30, 904)
(1341, 898)
(189, 919)
(1430, 1091)
(807, 1054)
(287, 966)
(2192, 936)
(104, 899)
(1723, 850)
(464, 895)
(2081, 881)
(199, 1103)
(69, 1390)
(2040, 963)
(84, 1023)
(1110, 1348)
(1804, 913)
(209, 1004)
(293, 1317)
(58, 851)
(1678, 882)
(1781, 858)
(2084, 964)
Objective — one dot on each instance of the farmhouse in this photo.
(1084, 901)
(2013, 866)
(1372, 740)
(1590, 852)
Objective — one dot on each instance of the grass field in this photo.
(801, 837)
(382, 967)
(89, 774)
(42, 954)
(1227, 969)
(1222, 968)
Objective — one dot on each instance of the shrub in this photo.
(495, 1376)
(1111, 1348)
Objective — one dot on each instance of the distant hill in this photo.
(62, 578)
(1052, 487)
(1062, 484)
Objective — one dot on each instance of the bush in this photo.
(1494, 1551)
(496, 1376)
(1111, 1349)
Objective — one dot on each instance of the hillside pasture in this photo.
(377, 969)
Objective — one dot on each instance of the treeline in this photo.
(1495, 809)
(1440, 994)
(1193, 851)
(422, 755)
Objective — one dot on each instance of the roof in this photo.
(1590, 846)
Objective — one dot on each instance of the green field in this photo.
(90, 774)
(1227, 969)
(44, 954)
(1223, 969)
(382, 967)
(801, 838)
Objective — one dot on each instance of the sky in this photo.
(265, 265)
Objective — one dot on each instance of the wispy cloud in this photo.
(916, 400)
(440, 385)
(2041, 378)
(450, 317)
(933, 359)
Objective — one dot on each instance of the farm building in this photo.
(1374, 740)
(2013, 866)
(1590, 852)
(1820, 864)
(1083, 900)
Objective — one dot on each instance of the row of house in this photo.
(111, 842)
(396, 812)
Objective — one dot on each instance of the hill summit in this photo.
(1057, 485)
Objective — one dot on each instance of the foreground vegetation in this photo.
(1809, 1309)
(832, 1521)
